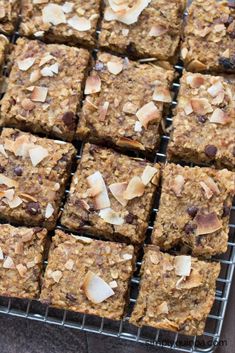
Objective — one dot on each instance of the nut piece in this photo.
(135, 188)
(178, 184)
(111, 217)
(93, 84)
(162, 309)
(183, 265)
(207, 223)
(96, 289)
(117, 189)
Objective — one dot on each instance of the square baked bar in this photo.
(204, 122)
(176, 292)
(143, 29)
(194, 209)
(209, 36)
(88, 276)
(45, 88)
(9, 14)
(126, 108)
(111, 195)
(69, 22)
(21, 257)
(33, 175)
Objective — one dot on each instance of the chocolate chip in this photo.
(189, 228)
(192, 211)
(130, 218)
(232, 34)
(69, 120)
(18, 171)
(227, 63)
(33, 208)
(202, 119)
(210, 151)
(71, 297)
(2, 169)
(226, 211)
(228, 21)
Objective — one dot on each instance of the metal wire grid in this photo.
(34, 310)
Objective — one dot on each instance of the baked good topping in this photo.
(96, 289)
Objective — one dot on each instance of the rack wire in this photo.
(34, 310)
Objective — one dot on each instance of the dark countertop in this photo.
(25, 336)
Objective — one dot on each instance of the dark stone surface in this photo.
(25, 336)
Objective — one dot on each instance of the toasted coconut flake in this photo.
(9, 194)
(27, 197)
(115, 67)
(49, 210)
(56, 276)
(137, 127)
(157, 30)
(93, 84)
(127, 142)
(196, 65)
(188, 108)
(46, 58)
(21, 269)
(25, 64)
(103, 111)
(53, 13)
(215, 89)
(207, 223)
(162, 94)
(162, 308)
(27, 104)
(117, 189)
(110, 216)
(35, 76)
(194, 280)
(219, 98)
(148, 113)
(39, 94)
(219, 117)
(69, 264)
(2, 151)
(212, 185)
(102, 199)
(183, 265)
(96, 289)
(8, 263)
(37, 154)
(178, 184)
(128, 15)
(8, 182)
(148, 174)
(129, 108)
(135, 188)
(207, 190)
(195, 80)
(201, 106)
(81, 24)
(17, 201)
(67, 7)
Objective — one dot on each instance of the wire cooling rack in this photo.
(34, 310)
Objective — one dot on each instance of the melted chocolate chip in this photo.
(71, 297)
(130, 218)
(227, 63)
(189, 228)
(192, 211)
(210, 151)
(202, 119)
(33, 208)
(18, 171)
(2, 169)
(226, 211)
(69, 120)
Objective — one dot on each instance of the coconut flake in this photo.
(2, 151)
(50, 70)
(157, 30)
(67, 7)
(25, 64)
(37, 154)
(162, 308)
(93, 84)
(56, 276)
(129, 108)
(102, 199)
(148, 174)
(96, 289)
(219, 117)
(110, 216)
(188, 108)
(69, 264)
(39, 94)
(1, 254)
(81, 24)
(46, 58)
(8, 263)
(215, 89)
(147, 113)
(8, 182)
(103, 111)
(178, 184)
(183, 265)
(137, 127)
(21, 269)
(49, 210)
(162, 94)
(117, 190)
(207, 190)
(114, 67)
(195, 81)
(201, 106)
(127, 257)
(113, 284)
(135, 188)
(207, 223)
(39, 34)
(53, 13)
